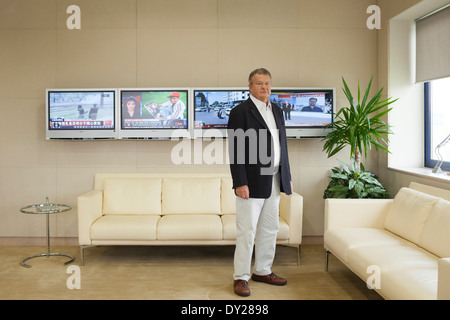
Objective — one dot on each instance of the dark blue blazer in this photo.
(251, 157)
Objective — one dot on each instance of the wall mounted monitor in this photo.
(154, 113)
(308, 112)
(212, 107)
(81, 114)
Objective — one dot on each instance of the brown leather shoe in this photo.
(270, 279)
(241, 288)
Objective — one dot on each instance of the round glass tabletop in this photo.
(45, 208)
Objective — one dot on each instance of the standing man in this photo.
(260, 170)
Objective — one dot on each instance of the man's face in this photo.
(261, 87)
(174, 99)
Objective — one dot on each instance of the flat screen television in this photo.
(308, 112)
(212, 107)
(81, 114)
(154, 113)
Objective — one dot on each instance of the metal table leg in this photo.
(48, 253)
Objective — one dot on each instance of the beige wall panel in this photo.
(99, 14)
(328, 54)
(176, 14)
(176, 57)
(154, 153)
(258, 14)
(189, 154)
(383, 58)
(22, 135)
(27, 14)
(312, 182)
(186, 168)
(243, 50)
(96, 58)
(342, 14)
(96, 154)
(293, 151)
(310, 154)
(27, 62)
(20, 187)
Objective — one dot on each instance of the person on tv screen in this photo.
(93, 112)
(257, 186)
(312, 106)
(287, 110)
(129, 108)
(81, 112)
(174, 108)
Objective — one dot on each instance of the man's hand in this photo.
(243, 192)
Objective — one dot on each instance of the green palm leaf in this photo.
(359, 126)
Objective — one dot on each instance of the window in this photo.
(437, 123)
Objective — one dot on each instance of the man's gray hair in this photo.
(258, 71)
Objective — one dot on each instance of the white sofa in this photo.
(400, 246)
(170, 209)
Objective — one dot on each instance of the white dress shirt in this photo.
(266, 112)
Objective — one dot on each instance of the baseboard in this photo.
(312, 240)
(38, 241)
(73, 241)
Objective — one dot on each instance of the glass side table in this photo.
(46, 208)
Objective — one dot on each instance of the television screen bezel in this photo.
(210, 132)
(81, 134)
(298, 132)
(154, 133)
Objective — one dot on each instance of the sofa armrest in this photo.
(90, 208)
(291, 210)
(443, 279)
(357, 213)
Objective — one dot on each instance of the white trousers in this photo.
(257, 223)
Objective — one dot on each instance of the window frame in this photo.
(430, 163)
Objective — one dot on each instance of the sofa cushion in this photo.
(229, 228)
(435, 235)
(341, 240)
(132, 196)
(228, 200)
(125, 227)
(408, 213)
(190, 227)
(406, 272)
(191, 196)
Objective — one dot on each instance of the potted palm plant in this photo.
(359, 126)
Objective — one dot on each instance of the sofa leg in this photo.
(82, 252)
(326, 260)
(82, 255)
(298, 254)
